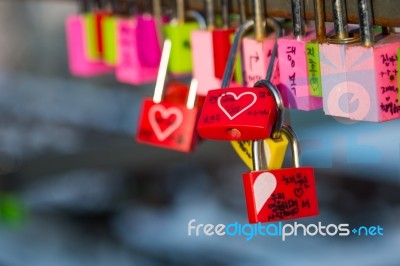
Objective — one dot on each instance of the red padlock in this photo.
(222, 41)
(238, 113)
(166, 124)
(280, 194)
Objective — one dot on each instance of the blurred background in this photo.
(76, 189)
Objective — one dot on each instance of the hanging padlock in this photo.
(295, 86)
(109, 27)
(178, 31)
(364, 84)
(274, 195)
(77, 37)
(238, 113)
(222, 41)
(130, 68)
(93, 22)
(257, 49)
(149, 46)
(202, 54)
(165, 124)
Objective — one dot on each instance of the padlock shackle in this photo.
(162, 71)
(210, 14)
(319, 11)
(365, 17)
(240, 32)
(340, 18)
(299, 22)
(276, 131)
(258, 146)
(84, 6)
(242, 11)
(259, 15)
(196, 15)
(180, 11)
(225, 14)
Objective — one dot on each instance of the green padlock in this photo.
(178, 31)
(109, 28)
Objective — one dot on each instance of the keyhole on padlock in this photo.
(186, 44)
(234, 133)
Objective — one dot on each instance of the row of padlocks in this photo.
(243, 78)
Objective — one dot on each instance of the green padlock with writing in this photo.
(178, 31)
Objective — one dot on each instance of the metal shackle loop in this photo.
(258, 146)
(276, 131)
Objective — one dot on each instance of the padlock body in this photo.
(294, 79)
(203, 61)
(360, 83)
(282, 194)
(256, 57)
(167, 125)
(149, 47)
(129, 68)
(221, 46)
(237, 114)
(109, 28)
(78, 63)
(180, 62)
(94, 34)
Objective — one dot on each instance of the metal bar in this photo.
(319, 9)
(340, 18)
(299, 28)
(366, 24)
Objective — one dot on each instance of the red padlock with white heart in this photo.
(282, 194)
(238, 113)
(168, 124)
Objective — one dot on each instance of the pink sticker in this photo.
(79, 65)
(257, 56)
(295, 88)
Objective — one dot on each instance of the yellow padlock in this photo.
(275, 150)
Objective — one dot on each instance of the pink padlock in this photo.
(292, 54)
(79, 65)
(130, 68)
(257, 51)
(201, 42)
(360, 81)
(149, 45)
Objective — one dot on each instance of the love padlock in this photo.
(167, 124)
(360, 81)
(274, 146)
(77, 38)
(274, 195)
(222, 41)
(136, 66)
(178, 31)
(93, 26)
(203, 53)
(257, 49)
(293, 64)
(237, 113)
(109, 28)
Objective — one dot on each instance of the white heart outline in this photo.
(165, 113)
(236, 98)
(263, 188)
